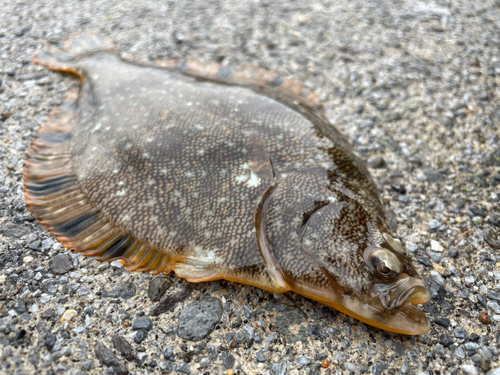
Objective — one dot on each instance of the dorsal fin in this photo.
(266, 82)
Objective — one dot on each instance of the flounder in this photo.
(216, 172)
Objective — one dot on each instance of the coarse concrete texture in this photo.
(414, 87)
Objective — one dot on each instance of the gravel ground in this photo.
(412, 84)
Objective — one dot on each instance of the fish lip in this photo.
(404, 319)
(394, 305)
(405, 290)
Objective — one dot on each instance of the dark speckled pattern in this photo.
(213, 173)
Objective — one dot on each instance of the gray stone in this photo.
(204, 362)
(351, 367)
(181, 367)
(378, 368)
(142, 324)
(492, 305)
(124, 291)
(60, 264)
(279, 368)
(20, 307)
(169, 354)
(227, 360)
(459, 353)
(198, 319)
(269, 340)
(433, 224)
(469, 370)
(140, 336)
(249, 331)
(13, 230)
(471, 347)
(248, 312)
(125, 348)
(107, 358)
(412, 248)
(460, 333)
(260, 356)
(158, 286)
(437, 277)
(212, 351)
(303, 361)
(87, 365)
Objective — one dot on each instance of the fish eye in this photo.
(382, 262)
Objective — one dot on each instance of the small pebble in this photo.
(68, 315)
(60, 264)
(460, 333)
(469, 369)
(140, 336)
(198, 319)
(303, 361)
(434, 224)
(437, 277)
(484, 317)
(494, 306)
(142, 324)
(157, 287)
(436, 246)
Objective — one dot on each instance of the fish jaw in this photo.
(404, 317)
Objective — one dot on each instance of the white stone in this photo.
(116, 264)
(28, 259)
(469, 369)
(436, 246)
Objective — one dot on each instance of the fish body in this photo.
(217, 173)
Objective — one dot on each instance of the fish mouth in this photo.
(394, 306)
(406, 290)
(391, 307)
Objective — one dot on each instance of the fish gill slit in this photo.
(275, 270)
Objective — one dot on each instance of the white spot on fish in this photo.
(121, 193)
(332, 199)
(254, 180)
(242, 178)
(96, 127)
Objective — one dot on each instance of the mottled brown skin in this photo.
(216, 173)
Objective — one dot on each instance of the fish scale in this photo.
(216, 173)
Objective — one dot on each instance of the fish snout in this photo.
(406, 290)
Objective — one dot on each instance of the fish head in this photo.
(346, 257)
